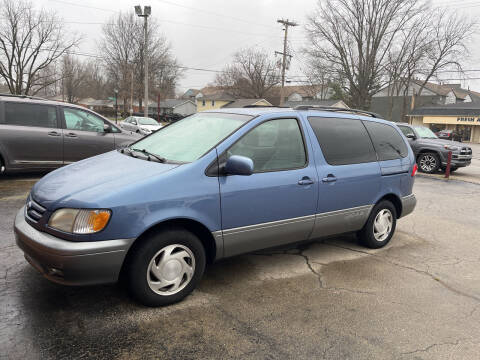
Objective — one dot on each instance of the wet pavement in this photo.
(418, 298)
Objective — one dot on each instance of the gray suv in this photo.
(431, 152)
(37, 134)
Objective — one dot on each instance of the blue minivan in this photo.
(213, 185)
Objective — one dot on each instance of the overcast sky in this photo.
(205, 33)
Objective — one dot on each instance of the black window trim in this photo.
(212, 172)
(348, 118)
(3, 112)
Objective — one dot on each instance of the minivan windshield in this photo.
(425, 133)
(190, 138)
(146, 121)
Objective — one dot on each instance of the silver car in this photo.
(37, 134)
(140, 125)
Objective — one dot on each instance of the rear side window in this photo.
(388, 142)
(30, 115)
(343, 141)
(273, 146)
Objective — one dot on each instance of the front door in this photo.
(84, 135)
(277, 203)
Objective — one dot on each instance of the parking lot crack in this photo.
(428, 348)
(408, 267)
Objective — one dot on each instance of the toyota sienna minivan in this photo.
(214, 185)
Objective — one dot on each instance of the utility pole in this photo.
(131, 94)
(147, 10)
(286, 23)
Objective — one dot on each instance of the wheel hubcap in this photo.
(171, 269)
(382, 226)
(428, 163)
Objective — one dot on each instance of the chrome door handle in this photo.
(72, 135)
(53, 133)
(305, 181)
(329, 178)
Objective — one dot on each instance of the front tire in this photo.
(428, 162)
(380, 226)
(165, 267)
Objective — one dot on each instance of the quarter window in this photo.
(24, 114)
(388, 143)
(343, 141)
(274, 145)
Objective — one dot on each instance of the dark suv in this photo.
(37, 134)
(431, 152)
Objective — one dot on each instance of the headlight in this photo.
(450, 147)
(79, 221)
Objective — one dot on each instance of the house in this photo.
(395, 107)
(299, 93)
(463, 117)
(174, 106)
(315, 102)
(240, 103)
(213, 97)
(190, 94)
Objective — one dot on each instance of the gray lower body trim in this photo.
(68, 262)
(260, 236)
(218, 237)
(340, 221)
(408, 204)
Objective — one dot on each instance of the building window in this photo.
(213, 102)
(203, 102)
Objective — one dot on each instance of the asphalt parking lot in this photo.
(418, 298)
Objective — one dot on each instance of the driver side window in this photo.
(406, 130)
(76, 119)
(273, 146)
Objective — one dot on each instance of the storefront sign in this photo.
(468, 119)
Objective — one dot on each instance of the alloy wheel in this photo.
(428, 163)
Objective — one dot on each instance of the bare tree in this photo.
(73, 78)
(354, 37)
(449, 35)
(30, 41)
(122, 48)
(252, 74)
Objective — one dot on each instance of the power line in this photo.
(215, 13)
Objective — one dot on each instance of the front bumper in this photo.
(408, 204)
(458, 160)
(68, 262)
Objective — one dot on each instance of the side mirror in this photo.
(411, 136)
(107, 128)
(239, 165)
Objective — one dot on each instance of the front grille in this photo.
(466, 151)
(34, 210)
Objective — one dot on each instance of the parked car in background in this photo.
(431, 152)
(282, 175)
(140, 125)
(36, 134)
(449, 135)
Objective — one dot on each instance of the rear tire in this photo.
(165, 267)
(428, 162)
(380, 226)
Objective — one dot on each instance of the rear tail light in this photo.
(414, 169)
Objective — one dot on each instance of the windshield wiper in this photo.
(150, 155)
